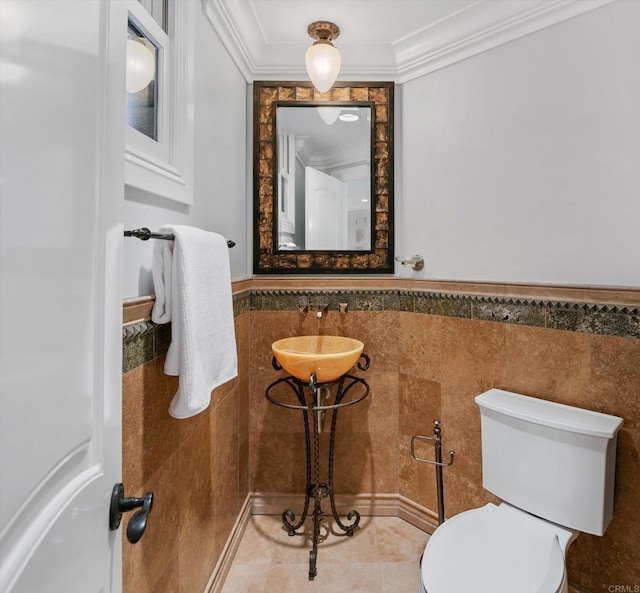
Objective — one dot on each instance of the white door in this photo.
(325, 211)
(61, 192)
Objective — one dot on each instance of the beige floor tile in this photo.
(245, 578)
(398, 541)
(400, 577)
(381, 557)
(331, 578)
(256, 546)
(339, 548)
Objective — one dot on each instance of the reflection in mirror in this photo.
(324, 177)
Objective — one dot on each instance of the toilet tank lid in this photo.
(546, 413)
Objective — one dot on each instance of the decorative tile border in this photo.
(595, 318)
(144, 340)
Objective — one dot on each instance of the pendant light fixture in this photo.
(322, 58)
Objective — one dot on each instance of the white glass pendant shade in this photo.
(141, 66)
(323, 62)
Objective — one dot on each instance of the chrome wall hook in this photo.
(415, 261)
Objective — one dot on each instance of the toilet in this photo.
(552, 466)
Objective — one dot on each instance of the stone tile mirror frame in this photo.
(267, 95)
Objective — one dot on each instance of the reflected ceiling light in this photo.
(141, 66)
(329, 114)
(322, 58)
(349, 117)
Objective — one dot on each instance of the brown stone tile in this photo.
(417, 480)
(378, 413)
(308, 324)
(419, 405)
(353, 462)
(243, 469)
(222, 391)
(144, 562)
(472, 353)
(377, 330)
(420, 346)
(194, 424)
(615, 296)
(551, 293)
(244, 409)
(195, 486)
(579, 561)
(616, 555)
(226, 512)
(149, 433)
(461, 432)
(242, 325)
(270, 455)
(264, 415)
(374, 463)
(298, 457)
(135, 310)
(549, 364)
(615, 379)
(463, 488)
(615, 383)
(224, 431)
(266, 328)
(169, 581)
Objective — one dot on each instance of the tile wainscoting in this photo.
(433, 348)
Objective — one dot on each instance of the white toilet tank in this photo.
(552, 460)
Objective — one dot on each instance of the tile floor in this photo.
(381, 557)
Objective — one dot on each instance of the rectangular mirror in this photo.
(323, 178)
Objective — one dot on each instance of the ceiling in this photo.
(380, 39)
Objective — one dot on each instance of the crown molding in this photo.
(471, 31)
(478, 29)
(232, 28)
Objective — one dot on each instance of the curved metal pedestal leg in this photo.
(317, 489)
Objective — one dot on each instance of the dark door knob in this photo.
(120, 504)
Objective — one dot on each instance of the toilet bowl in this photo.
(496, 549)
(552, 466)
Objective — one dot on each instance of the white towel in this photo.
(192, 282)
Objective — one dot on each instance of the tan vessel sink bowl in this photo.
(329, 357)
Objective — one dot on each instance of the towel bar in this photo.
(145, 234)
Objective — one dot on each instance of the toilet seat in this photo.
(495, 549)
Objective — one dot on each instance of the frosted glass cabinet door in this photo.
(62, 177)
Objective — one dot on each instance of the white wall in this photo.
(522, 164)
(220, 203)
